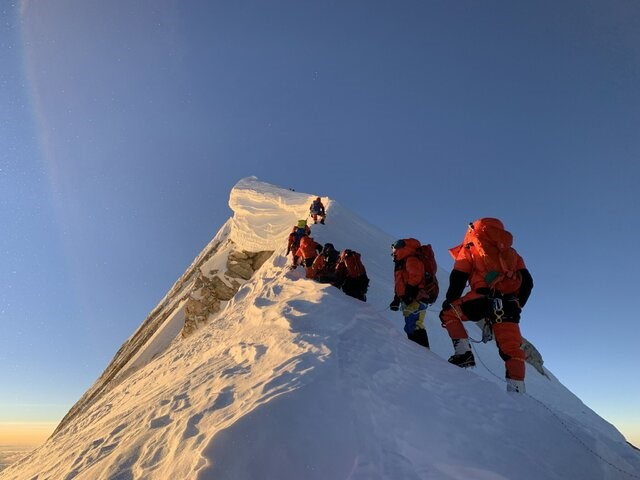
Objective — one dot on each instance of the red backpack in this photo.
(352, 263)
(425, 254)
(499, 260)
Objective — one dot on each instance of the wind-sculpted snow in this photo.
(263, 216)
(294, 380)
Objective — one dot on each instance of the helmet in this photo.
(397, 245)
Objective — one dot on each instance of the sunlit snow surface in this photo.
(294, 380)
(12, 453)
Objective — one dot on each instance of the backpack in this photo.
(330, 254)
(352, 263)
(425, 254)
(492, 245)
(298, 233)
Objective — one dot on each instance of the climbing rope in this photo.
(560, 420)
(499, 312)
(540, 402)
(580, 441)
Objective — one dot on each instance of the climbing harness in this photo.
(498, 309)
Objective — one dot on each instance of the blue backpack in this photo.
(298, 234)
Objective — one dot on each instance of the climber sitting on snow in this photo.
(323, 268)
(351, 275)
(307, 252)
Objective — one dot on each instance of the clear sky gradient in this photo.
(124, 124)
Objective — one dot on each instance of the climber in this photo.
(317, 210)
(307, 253)
(351, 275)
(500, 286)
(416, 285)
(300, 230)
(323, 268)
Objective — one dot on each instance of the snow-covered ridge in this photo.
(135, 346)
(292, 379)
(263, 216)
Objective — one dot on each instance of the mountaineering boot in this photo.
(419, 335)
(463, 357)
(515, 386)
(463, 360)
(322, 221)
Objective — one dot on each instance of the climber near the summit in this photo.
(500, 287)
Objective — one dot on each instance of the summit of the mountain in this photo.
(248, 370)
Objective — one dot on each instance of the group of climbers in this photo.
(500, 285)
(324, 263)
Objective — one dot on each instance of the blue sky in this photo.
(125, 124)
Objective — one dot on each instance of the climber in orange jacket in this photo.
(500, 286)
(351, 275)
(411, 289)
(307, 252)
(293, 242)
(323, 268)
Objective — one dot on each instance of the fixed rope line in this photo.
(580, 441)
(561, 421)
(544, 405)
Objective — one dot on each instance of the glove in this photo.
(395, 304)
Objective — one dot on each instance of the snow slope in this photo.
(294, 380)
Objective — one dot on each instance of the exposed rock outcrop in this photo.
(213, 288)
(203, 295)
(534, 357)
